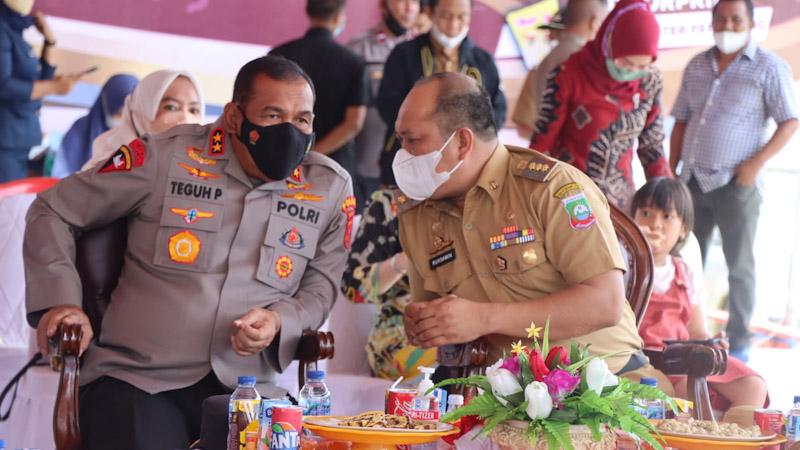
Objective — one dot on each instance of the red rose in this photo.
(538, 367)
(557, 355)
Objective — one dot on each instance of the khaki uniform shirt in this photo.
(532, 226)
(527, 109)
(205, 245)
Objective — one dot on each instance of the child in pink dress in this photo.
(663, 210)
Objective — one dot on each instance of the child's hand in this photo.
(723, 341)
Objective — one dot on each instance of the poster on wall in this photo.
(524, 25)
(687, 23)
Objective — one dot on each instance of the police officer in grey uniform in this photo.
(236, 245)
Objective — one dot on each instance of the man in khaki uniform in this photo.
(509, 238)
(236, 245)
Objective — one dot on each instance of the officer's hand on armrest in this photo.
(254, 331)
(66, 314)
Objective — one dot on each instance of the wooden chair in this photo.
(695, 360)
(99, 258)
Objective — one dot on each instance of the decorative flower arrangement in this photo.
(553, 388)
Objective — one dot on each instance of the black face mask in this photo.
(276, 149)
(393, 25)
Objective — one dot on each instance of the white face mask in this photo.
(416, 176)
(21, 7)
(449, 43)
(729, 42)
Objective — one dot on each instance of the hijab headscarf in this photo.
(13, 19)
(139, 113)
(76, 147)
(630, 29)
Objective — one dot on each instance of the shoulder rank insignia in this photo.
(537, 168)
(191, 215)
(216, 144)
(349, 210)
(125, 158)
(197, 155)
(195, 172)
(403, 202)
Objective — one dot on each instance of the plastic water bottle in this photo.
(793, 422)
(243, 411)
(650, 409)
(315, 398)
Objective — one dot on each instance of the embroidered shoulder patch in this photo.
(125, 158)
(349, 210)
(577, 206)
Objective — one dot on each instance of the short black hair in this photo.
(666, 194)
(273, 66)
(433, 3)
(324, 9)
(748, 4)
(462, 102)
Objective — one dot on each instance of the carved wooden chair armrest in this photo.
(314, 346)
(697, 361)
(66, 428)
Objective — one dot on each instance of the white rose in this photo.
(503, 382)
(598, 376)
(539, 402)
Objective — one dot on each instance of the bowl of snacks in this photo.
(693, 434)
(376, 429)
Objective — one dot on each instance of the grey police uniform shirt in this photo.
(205, 245)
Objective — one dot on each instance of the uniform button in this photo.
(493, 185)
(510, 216)
(436, 227)
(468, 226)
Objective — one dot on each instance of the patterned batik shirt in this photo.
(595, 132)
(377, 240)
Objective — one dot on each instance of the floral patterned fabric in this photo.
(377, 240)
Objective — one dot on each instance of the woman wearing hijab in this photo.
(24, 80)
(76, 147)
(163, 99)
(602, 99)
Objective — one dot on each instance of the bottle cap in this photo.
(649, 382)
(316, 374)
(455, 399)
(247, 380)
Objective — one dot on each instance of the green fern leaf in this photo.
(482, 406)
(560, 432)
(476, 380)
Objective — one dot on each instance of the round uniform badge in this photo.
(184, 247)
(284, 266)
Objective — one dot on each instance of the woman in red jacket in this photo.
(604, 99)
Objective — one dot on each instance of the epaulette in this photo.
(537, 168)
(403, 202)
